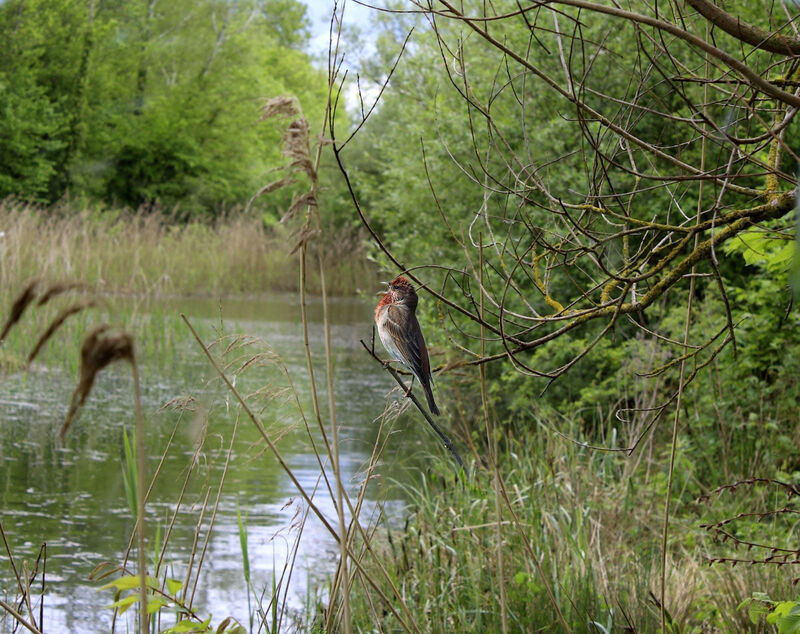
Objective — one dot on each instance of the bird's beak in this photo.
(385, 290)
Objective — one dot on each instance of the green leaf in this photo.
(129, 582)
(173, 585)
(188, 626)
(243, 543)
(789, 624)
(221, 627)
(129, 476)
(786, 615)
(756, 611)
(154, 604)
(236, 628)
(784, 608)
(124, 604)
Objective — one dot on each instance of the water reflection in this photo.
(72, 497)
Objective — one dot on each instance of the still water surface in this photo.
(72, 496)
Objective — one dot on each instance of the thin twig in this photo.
(19, 618)
(144, 619)
(447, 442)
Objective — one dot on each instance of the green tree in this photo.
(150, 103)
(601, 181)
(42, 72)
(598, 196)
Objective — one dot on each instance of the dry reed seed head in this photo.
(187, 403)
(305, 236)
(18, 307)
(102, 346)
(57, 289)
(56, 324)
(283, 105)
(305, 199)
(278, 184)
(103, 570)
(296, 147)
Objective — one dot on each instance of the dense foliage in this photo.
(601, 201)
(471, 145)
(149, 102)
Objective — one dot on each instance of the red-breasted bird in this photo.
(398, 328)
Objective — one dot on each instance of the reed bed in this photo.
(137, 252)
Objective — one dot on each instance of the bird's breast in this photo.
(382, 316)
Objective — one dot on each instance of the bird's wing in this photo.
(404, 329)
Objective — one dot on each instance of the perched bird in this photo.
(398, 328)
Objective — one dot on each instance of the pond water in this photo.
(71, 495)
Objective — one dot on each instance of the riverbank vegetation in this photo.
(598, 206)
(141, 104)
(148, 252)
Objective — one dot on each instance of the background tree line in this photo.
(143, 103)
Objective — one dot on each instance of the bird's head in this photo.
(401, 290)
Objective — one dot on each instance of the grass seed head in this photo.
(57, 289)
(20, 304)
(56, 324)
(102, 346)
(283, 105)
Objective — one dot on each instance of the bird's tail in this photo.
(429, 396)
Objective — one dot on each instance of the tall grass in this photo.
(123, 252)
(595, 533)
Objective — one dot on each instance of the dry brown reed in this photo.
(102, 346)
(45, 292)
(57, 322)
(57, 289)
(117, 251)
(24, 299)
(297, 148)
